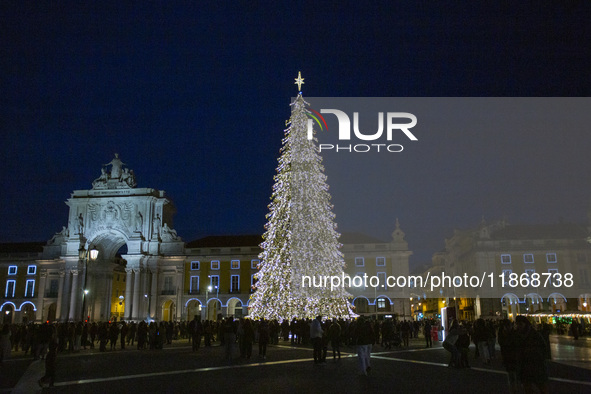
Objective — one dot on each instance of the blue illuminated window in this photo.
(12, 270)
(380, 261)
(506, 259)
(528, 258)
(30, 289)
(194, 265)
(10, 285)
(254, 264)
(359, 262)
(235, 264)
(215, 264)
(551, 257)
(31, 270)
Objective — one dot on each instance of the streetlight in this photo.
(207, 302)
(86, 255)
(121, 298)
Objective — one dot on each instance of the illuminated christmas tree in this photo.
(301, 238)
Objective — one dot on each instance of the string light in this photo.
(300, 237)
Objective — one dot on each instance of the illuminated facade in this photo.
(144, 270)
(521, 250)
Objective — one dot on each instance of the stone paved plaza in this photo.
(287, 369)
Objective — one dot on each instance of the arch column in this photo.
(41, 295)
(60, 292)
(136, 294)
(128, 292)
(74, 295)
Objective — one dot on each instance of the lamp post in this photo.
(86, 255)
(207, 302)
(121, 298)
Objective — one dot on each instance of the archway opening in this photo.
(168, 310)
(193, 309)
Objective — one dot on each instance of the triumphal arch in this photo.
(132, 230)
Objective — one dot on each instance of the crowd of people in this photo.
(523, 348)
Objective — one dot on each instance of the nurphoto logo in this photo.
(394, 122)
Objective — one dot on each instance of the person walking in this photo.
(507, 338)
(263, 338)
(427, 333)
(531, 365)
(50, 365)
(334, 335)
(316, 338)
(364, 338)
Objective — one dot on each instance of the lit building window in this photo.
(528, 258)
(194, 285)
(30, 289)
(506, 276)
(381, 303)
(380, 261)
(235, 264)
(254, 264)
(12, 270)
(10, 285)
(235, 283)
(215, 264)
(194, 265)
(359, 262)
(215, 282)
(31, 270)
(551, 257)
(382, 280)
(506, 258)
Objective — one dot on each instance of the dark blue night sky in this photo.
(194, 97)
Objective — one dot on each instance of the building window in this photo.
(359, 262)
(30, 289)
(380, 261)
(53, 288)
(528, 258)
(359, 274)
(254, 264)
(214, 282)
(10, 285)
(12, 270)
(235, 264)
(194, 285)
(506, 258)
(31, 270)
(194, 265)
(234, 283)
(529, 274)
(381, 303)
(382, 280)
(552, 271)
(584, 276)
(215, 264)
(551, 257)
(506, 277)
(168, 286)
(253, 280)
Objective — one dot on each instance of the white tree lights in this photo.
(300, 238)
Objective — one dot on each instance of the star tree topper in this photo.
(299, 80)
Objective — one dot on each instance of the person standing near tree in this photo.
(316, 338)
